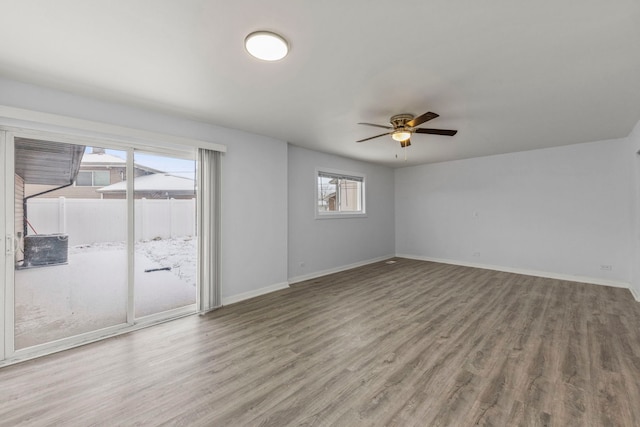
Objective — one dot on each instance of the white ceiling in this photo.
(509, 75)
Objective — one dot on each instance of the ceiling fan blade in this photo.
(377, 136)
(405, 143)
(446, 132)
(422, 119)
(378, 126)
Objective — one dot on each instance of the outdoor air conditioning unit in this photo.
(45, 249)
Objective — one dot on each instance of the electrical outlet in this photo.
(301, 264)
(606, 267)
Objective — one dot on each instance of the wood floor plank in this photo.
(413, 343)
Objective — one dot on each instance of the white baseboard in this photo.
(635, 293)
(536, 273)
(317, 274)
(255, 293)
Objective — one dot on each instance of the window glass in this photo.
(84, 179)
(349, 195)
(326, 194)
(101, 178)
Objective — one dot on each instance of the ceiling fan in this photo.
(405, 125)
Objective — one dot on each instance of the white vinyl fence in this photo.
(99, 220)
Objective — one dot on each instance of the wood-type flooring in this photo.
(413, 343)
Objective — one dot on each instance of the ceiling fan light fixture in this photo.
(401, 135)
(266, 45)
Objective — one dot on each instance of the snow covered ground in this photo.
(178, 253)
(90, 292)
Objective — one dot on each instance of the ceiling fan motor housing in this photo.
(399, 121)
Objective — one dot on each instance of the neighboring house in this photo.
(97, 169)
(47, 169)
(345, 199)
(153, 186)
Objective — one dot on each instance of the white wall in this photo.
(634, 147)
(254, 216)
(326, 245)
(564, 211)
(254, 181)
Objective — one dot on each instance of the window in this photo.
(101, 178)
(93, 179)
(84, 179)
(339, 194)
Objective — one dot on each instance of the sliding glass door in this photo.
(98, 237)
(70, 262)
(165, 234)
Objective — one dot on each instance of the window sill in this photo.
(340, 215)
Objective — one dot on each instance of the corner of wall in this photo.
(312, 248)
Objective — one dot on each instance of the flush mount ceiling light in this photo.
(266, 45)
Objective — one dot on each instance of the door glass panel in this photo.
(165, 241)
(71, 264)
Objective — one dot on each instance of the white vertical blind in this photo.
(208, 229)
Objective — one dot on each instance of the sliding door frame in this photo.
(175, 312)
(8, 354)
(131, 239)
(6, 340)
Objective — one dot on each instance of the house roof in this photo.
(103, 159)
(109, 160)
(509, 76)
(47, 162)
(158, 182)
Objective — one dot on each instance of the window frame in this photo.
(358, 176)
